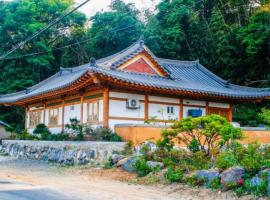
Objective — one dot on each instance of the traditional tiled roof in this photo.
(186, 76)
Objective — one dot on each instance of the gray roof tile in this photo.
(184, 76)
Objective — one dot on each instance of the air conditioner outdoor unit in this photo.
(133, 103)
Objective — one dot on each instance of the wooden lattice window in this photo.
(34, 118)
(93, 112)
(53, 117)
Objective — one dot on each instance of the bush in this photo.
(194, 146)
(173, 174)
(141, 167)
(105, 134)
(208, 132)
(43, 131)
(225, 160)
(128, 148)
(24, 135)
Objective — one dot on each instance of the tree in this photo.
(210, 133)
(114, 30)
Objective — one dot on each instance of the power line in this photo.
(49, 25)
(63, 47)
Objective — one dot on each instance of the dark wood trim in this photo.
(164, 103)
(230, 117)
(126, 118)
(81, 118)
(181, 111)
(190, 105)
(106, 107)
(63, 114)
(146, 108)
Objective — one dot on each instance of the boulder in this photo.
(153, 164)
(116, 158)
(128, 164)
(207, 175)
(233, 176)
(256, 181)
(150, 146)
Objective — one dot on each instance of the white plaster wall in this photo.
(119, 109)
(194, 102)
(127, 95)
(70, 114)
(219, 105)
(46, 117)
(113, 122)
(155, 108)
(84, 112)
(60, 116)
(186, 108)
(100, 117)
(164, 99)
(27, 120)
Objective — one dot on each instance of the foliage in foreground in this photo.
(181, 164)
(73, 131)
(207, 133)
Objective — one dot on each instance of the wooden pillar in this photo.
(181, 110)
(146, 108)
(230, 115)
(44, 113)
(106, 107)
(81, 121)
(63, 114)
(207, 108)
(26, 117)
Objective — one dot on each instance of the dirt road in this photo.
(33, 180)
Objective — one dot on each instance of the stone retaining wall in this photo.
(65, 153)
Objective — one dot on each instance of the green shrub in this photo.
(194, 146)
(43, 131)
(141, 167)
(24, 135)
(173, 174)
(128, 148)
(109, 163)
(105, 134)
(225, 160)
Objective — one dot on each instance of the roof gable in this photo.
(142, 64)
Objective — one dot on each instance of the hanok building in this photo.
(129, 87)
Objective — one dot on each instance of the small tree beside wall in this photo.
(207, 133)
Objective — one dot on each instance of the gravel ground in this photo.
(35, 180)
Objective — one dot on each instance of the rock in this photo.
(121, 162)
(145, 147)
(54, 155)
(116, 158)
(256, 181)
(128, 165)
(207, 175)
(233, 176)
(153, 164)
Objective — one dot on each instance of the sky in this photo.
(98, 5)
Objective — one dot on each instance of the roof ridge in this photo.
(178, 61)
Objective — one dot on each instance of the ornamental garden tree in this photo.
(207, 133)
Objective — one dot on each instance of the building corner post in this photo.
(146, 108)
(230, 113)
(26, 118)
(106, 107)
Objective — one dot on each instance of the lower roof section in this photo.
(193, 82)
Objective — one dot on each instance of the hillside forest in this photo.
(229, 37)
